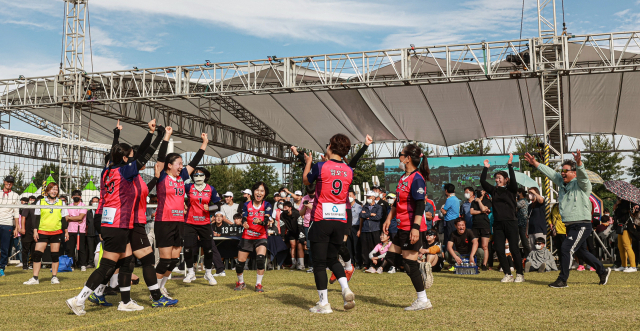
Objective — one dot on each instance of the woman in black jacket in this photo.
(505, 224)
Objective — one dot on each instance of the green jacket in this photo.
(573, 196)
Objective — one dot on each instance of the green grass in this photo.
(459, 302)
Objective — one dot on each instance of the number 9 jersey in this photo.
(333, 179)
(171, 197)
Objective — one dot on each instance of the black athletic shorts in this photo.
(138, 237)
(293, 236)
(193, 232)
(401, 239)
(327, 231)
(250, 245)
(481, 233)
(169, 234)
(50, 238)
(115, 239)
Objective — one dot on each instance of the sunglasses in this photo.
(564, 171)
(431, 235)
(401, 154)
(199, 175)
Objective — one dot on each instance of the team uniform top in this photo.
(254, 215)
(196, 214)
(140, 205)
(410, 190)
(102, 192)
(332, 190)
(171, 197)
(119, 196)
(50, 219)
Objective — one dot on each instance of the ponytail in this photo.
(419, 160)
(424, 168)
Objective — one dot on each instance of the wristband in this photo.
(415, 226)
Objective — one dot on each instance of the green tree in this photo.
(474, 147)
(81, 182)
(607, 165)
(227, 178)
(634, 170)
(19, 185)
(264, 172)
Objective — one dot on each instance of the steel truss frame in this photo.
(49, 151)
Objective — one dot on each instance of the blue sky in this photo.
(149, 33)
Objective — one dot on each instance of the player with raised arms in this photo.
(408, 208)
(201, 195)
(255, 220)
(170, 220)
(328, 217)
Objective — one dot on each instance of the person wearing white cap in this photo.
(247, 195)
(229, 208)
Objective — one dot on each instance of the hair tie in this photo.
(421, 154)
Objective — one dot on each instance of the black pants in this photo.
(217, 258)
(325, 254)
(449, 227)
(507, 230)
(81, 259)
(526, 247)
(353, 245)
(557, 243)
(27, 251)
(576, 243)
(368, 241)
(92, 242)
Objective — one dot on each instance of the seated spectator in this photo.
(465, 243)
(537, 217)
(605, 223)
(540, 259)
(379, 252)
(432, 252)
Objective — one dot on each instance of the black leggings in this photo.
(28, 247)
(325, 254)
(211, 255)
(507, 230)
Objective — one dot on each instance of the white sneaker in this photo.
(300, 267)
(130, 306)
(293, 266)
(164, 292)
(427, 275)
(349, 299)
(419, 305)
(211, 279)
(392, 270)
(371, 270)
(78, 310)
(519, 279)
(630, 269)
(189, 277)
(83, 268)
(32, 281)
(55, 280)
(507, 279)
(619, 269)
(176, 269)
(319, 309)
(379, 271)
(310, 271)
(222, 274)
(19, 265)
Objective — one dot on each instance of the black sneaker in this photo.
(543, 267)
(484, 268)
(558, 284)
(111, 291)
(605, 277)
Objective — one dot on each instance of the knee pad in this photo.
(174, 263)
(240, 267)
(163, 266)
(36, 257)
(410, 266)
(260, 262)
(55, 257)
(119, 263)
(148, 260)
(127, 265)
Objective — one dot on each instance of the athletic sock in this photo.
(422, 296)
(207, 272)
(100, 290)
(84, 294)
(125, 294)
(259, 279)
(301, 261)
(323, 297)
(348, 266)
(35, 277)
(163, 281)
(343, 282)
(241, 278)
(113, 282)
(190, 270)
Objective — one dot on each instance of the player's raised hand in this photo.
(152, 125)
(510, 158)
(486, 163)
(578, 157)
(368, 140)
(118, 126)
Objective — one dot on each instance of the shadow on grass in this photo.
(487, 279)
(294, 300)
(359, 297)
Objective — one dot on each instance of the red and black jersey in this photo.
(410, 190)
(119, 196)
(171, 193)
(332, 190)
(140, 205)
(196, 213)
(254, 216)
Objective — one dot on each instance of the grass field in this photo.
(459, 302)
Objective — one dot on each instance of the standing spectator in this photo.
(16, 243)
(505, 224)
(77, 228)
(378, 196)
(290, 217)
(369, 229)
(26, 230)
(465, 209)
(522, 206)
(92, 234)
(480, 209)
(432, 222)
(624, 223)
(450, 210)
(246, 194)
(465, 243)
(393, 226)
(229, 208)
(353, 242)
(575, 209)
(8, 220)
(307, 204)
(537, 217)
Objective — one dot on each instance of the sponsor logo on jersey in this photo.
(421, 190)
